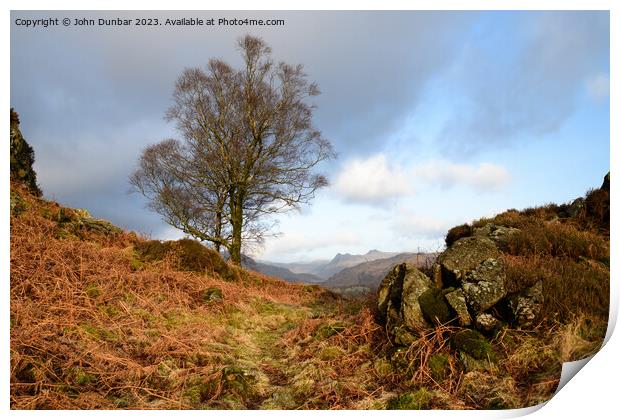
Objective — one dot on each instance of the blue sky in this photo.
(438, 118)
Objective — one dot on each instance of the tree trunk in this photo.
(218, 230)
(236, 201)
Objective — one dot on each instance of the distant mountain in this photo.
(312, 267)
(324, 269)
(342, 261)
(370, 273)
(281, 272)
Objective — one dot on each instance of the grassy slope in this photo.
(95, 326)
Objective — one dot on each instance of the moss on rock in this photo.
(434, 306)
(474, 344)
(439, 365)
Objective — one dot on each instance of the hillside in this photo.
(101, 318)
(369, 274)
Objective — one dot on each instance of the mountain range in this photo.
(342, 271)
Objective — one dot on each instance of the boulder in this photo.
(526, 306)
(496, 233)
(485, 285)
(415, 284)
(434, 306)
(464, 256)
(390, 290)
(487, 322)
(456, 300)
(397, 300)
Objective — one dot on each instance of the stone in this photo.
(212, 294)
(606, 183)
(402, 336)
(496, 233)
(575, 207)
(487, 322)
(456, 300)
(464, 256)
(414, 284)
(437, 281)
(434, 306)
(486, 285)
(526, 306)
(390, 290)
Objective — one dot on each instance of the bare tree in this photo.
(249, 148)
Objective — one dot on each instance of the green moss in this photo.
(419, 400)
(99, 333)
(434, 306)
(328, 330)
(330, 353)
(92, 291)
(18, 204)
(383, 367)
(474, 344)
(440, 366)
(109, 310)
(83, 378)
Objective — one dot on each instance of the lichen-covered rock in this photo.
(390, 290)
(397, 301)
(464, 256)
(414, 284)
(487, 322)
(496, 233)
(434, 306)
(526, 306)
(456, 300)
(486, 285)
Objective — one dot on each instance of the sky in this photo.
(438, 118)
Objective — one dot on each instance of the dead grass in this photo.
(88, 330)
(97, 323)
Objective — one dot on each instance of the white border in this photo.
(592, 394)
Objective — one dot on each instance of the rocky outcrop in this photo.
(468, 288)
(22, 158)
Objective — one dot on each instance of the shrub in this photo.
(190, 255)
(458, 232)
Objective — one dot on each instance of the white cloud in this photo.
(371, 181)
(598, 87)
(295, 243)
(484, 177)
(411, 225)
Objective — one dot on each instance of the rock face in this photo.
(22, 158)
(398, 303)
(484, 286)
